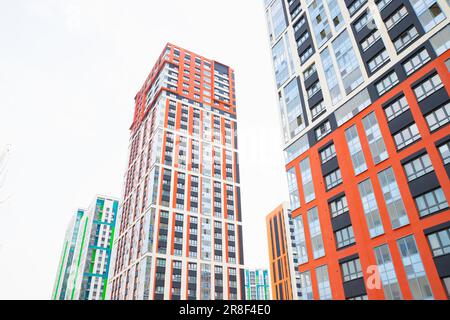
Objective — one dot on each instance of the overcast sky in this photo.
(69, 71)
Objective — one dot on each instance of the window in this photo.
(415, 272)
(344, 237)
(306, 285)
(297, 148)
(161, 262)
(306, 54)
(278, 18)
(387, 273)
(416, 62)
(293, 189)
(364, 296)
(333, 179)
(338, 206)
(282, 61)
(428, 86)
(440, 242)
(335, 13)
(318, 109)
(309, 71)
(370, 40)
(405, 39)
(302, 39)
(352, 107)
(296, 12)
(313, 89)
(307, 180)
(319, 20)
(441, 40)
(370, 207)
(328, 153)
(323, 282)
(362, 22)
(387, 83)
(375, 139)
(382, 4)
(315, 233)
(294, 108)
(356, 153)
(431, 202)
(347, 62)
(446, 281)
(439, 117)
(396, 108)
(429, 13)
(355, 6)
(378, 60)
(406, 136)
(351, 270)
(445, 152)
(323, 130)
(392, 197)
(300, 240)
(418, 167)
(330, 75)
(396, 17)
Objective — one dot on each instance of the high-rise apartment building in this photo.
(257, 285)
(84, 265)
(66, 260)
(283, 240)
(180, 231)
(363, 89)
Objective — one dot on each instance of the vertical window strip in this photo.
(415, 272)
(387, 273)
(370, 207)
(375, 138)
(392, 197)
(356, 153)
(316, 233)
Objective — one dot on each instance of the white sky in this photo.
(69, 71)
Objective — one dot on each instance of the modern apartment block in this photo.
(84, 266)
(180, 231)
(363, 87)
(257, 284)
(283, 255)
(66, 260)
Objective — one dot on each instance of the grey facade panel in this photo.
(400, 122)
(443, 265)
(424, 184)
(341, 221)
(433, 101)
(354, 288)
(413, 156)
(437, 228)
(316, 98)
(330, 166)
